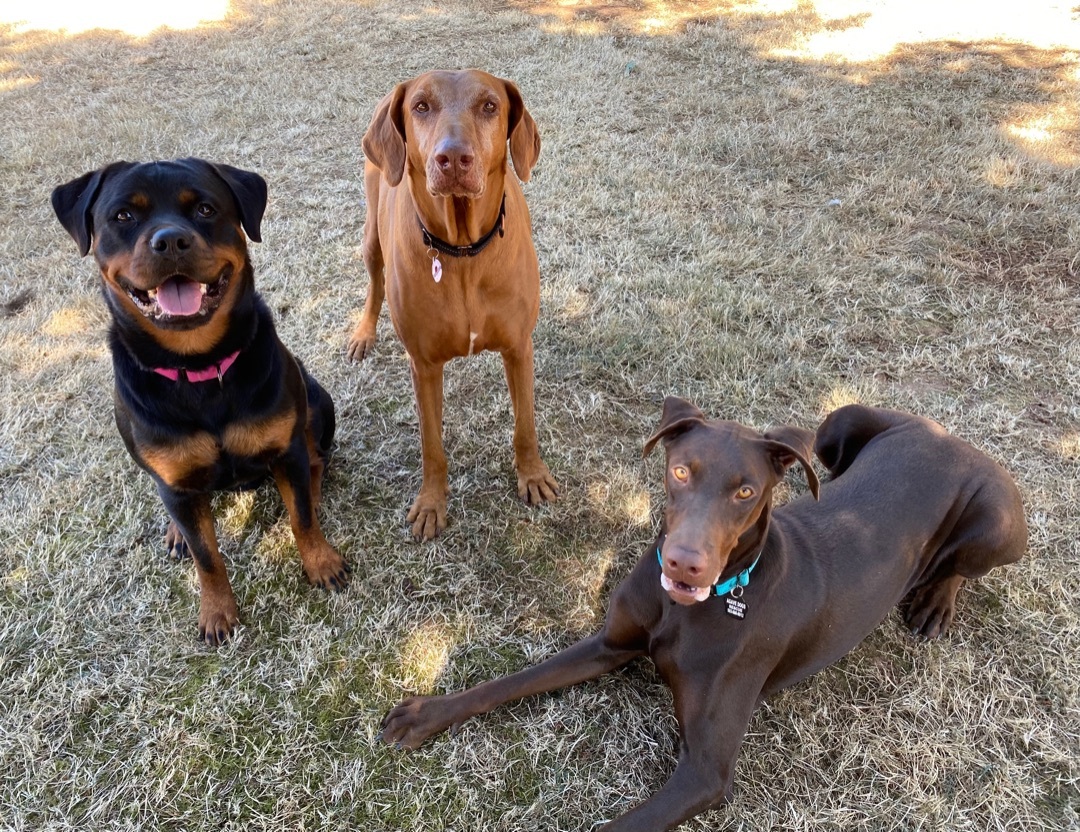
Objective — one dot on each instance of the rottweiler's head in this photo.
(168, 236)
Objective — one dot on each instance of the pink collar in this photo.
(206, 374)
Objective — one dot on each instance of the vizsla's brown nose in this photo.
(453, 158)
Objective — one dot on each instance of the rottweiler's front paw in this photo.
(325, 568)
(218, 618)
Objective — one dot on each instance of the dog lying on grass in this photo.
(735, 601)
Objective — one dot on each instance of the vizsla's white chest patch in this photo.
(472, 341)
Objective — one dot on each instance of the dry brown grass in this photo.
(729, 207)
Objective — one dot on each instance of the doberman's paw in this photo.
(427, 515)
(417, 718)
(175, 544)
(361, 343)
(218, 618)
(325, 568)
(933, 606)
(536, 485)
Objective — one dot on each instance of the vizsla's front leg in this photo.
(428, 511)
(535, 483)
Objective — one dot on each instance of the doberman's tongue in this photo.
(180, 296)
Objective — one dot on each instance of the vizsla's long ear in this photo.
(787, 445)
(73, 203)
(384, 140)
(522, 133)
(679, 416)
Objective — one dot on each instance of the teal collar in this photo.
(741, 579)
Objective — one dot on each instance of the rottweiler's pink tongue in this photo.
(180, 296)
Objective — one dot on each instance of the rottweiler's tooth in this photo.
(204, 288)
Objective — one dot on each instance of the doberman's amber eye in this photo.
(123, 216)
(745, 493)
(680, 473)
(205, 210)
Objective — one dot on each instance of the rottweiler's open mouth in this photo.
(179, 297)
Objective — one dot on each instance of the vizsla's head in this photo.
(719, 482)
(449, 130)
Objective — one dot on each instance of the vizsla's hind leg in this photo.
(362, 341)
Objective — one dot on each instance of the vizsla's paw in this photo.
(325, 568)
(417, 718)
(175, 544)
(427, 515)
(361, 342)
(536, 485)
(932, 607)
(218, 618)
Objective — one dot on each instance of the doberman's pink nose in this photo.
(683, 564)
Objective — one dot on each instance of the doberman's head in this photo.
(719, 481)
(168, 237)
(448, 130)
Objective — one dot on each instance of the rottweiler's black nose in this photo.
(170, 240)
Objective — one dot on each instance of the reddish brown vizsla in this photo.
(448, 241)
(909, 514)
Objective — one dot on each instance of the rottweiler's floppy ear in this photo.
(522, 133)
(679, 416)
(787, 445)
(384, 140)
(249, 189)
(74, 203)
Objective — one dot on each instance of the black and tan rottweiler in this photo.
(206, 397)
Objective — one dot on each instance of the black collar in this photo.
(443, 247)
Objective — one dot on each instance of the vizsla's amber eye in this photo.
(745, 493)
(421, 107)
(680, 473)
(489, 107)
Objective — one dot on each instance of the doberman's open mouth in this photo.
(179, 297)
(682, 590)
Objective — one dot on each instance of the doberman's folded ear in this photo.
(788, 445)
(73, 203)
(522, 133)
(249, 191)
(679, 416)
(384, 140)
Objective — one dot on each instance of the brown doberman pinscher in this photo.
(734, 601)
(448, 240)
(206, 396)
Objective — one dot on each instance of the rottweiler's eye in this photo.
(421, 106)
(489, 107)
(205, 210)
(681, 473)
(124, 216)
(745, 493)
